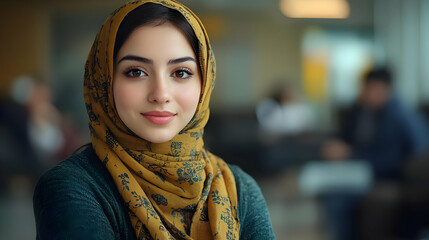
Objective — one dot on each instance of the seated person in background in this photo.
(285, 113)
(381, 130)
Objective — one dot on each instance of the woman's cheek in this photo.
(188, 97)
(126, 95)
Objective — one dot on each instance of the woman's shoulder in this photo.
(252, 209)
(81, 173)
(243, 180)
(78, 167)
(78, 196)
(72, 176)
(248, 189)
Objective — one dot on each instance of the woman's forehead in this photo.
(157, 42)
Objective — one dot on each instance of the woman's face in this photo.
(156, 82)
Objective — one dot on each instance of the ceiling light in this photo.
(315, 8)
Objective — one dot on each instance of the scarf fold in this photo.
(173, 190)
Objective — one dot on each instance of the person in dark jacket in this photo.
(381, 130)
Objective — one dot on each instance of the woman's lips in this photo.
(159, 117)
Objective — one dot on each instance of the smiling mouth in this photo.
(159, 117)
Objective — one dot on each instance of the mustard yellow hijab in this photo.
(173, 190)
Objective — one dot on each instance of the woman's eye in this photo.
(183, 74)
(135, 73)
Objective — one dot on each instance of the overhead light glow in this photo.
(315, 8)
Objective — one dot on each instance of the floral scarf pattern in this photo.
(173, 190)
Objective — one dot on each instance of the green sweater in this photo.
(77, 199)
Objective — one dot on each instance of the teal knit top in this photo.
(77, 199)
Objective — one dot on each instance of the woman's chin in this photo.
(158, 137)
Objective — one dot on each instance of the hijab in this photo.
(172, 190)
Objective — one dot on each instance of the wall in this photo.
(402, 38)
(24, 43)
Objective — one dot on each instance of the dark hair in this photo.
(154, 13)
(382, 75)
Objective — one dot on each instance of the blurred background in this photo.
(336, 155)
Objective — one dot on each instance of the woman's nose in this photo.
(159, 90)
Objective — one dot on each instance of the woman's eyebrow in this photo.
(149, 61)
(180, 60)
(136, 58)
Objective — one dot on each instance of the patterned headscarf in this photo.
(173, 190)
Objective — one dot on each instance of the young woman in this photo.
(146, 174)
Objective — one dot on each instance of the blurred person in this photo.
(44, 123)
(16, 151)
(378, 129)
(146, 174)
(30, 131)
(35, 135)
(285, 122)
(284, 113)
(48, 131)
(53, 134)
